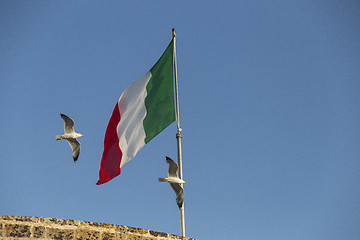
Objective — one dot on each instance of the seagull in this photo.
(175, 181)
(70, 135)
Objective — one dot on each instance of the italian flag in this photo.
(143, 110)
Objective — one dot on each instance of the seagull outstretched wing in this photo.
(68, 123)
(75, 146)
(173, 167)
(179, 191)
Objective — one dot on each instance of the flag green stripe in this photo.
(159, 101)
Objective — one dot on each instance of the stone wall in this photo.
(37, 228)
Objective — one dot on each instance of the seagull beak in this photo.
(83, 135)
(186, 182)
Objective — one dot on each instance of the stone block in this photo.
(62, 222)
(134, 237)
(59, 234)
(122, 236)
(5, 218)
(119, 228)
(137, 230)
(18, 231)
(39, 232)
(158, 234)
(23, 219)
(85, 234)
(108, 236)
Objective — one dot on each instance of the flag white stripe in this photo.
(132, 109)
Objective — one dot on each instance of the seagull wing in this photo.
(75, 146)
(179, 191)
(68, 123)
(173, 167)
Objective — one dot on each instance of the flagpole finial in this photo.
(173, 32)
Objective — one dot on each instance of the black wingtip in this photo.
(75, 159)
(179, 205)
(168, 158)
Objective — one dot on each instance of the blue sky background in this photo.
(269, 107)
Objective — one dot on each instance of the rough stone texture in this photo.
(158, 234)
(60, 234)
(84, 234)
(18, 231)
(37, 228)
(39, 232)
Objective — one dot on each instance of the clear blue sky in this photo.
(269, 107)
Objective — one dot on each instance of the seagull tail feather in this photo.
(59, 137)
(162, 179)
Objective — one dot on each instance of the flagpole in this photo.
(178, 135)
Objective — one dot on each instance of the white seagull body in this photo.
(70, 135)
(175, 181)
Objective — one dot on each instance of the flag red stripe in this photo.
(111, 158)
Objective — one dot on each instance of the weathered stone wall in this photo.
(37, 228)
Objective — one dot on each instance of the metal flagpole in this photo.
(178, 135)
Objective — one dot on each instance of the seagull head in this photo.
(181, 181)
(79, 135)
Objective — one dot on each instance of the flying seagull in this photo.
(70, 135)
(175, 181)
